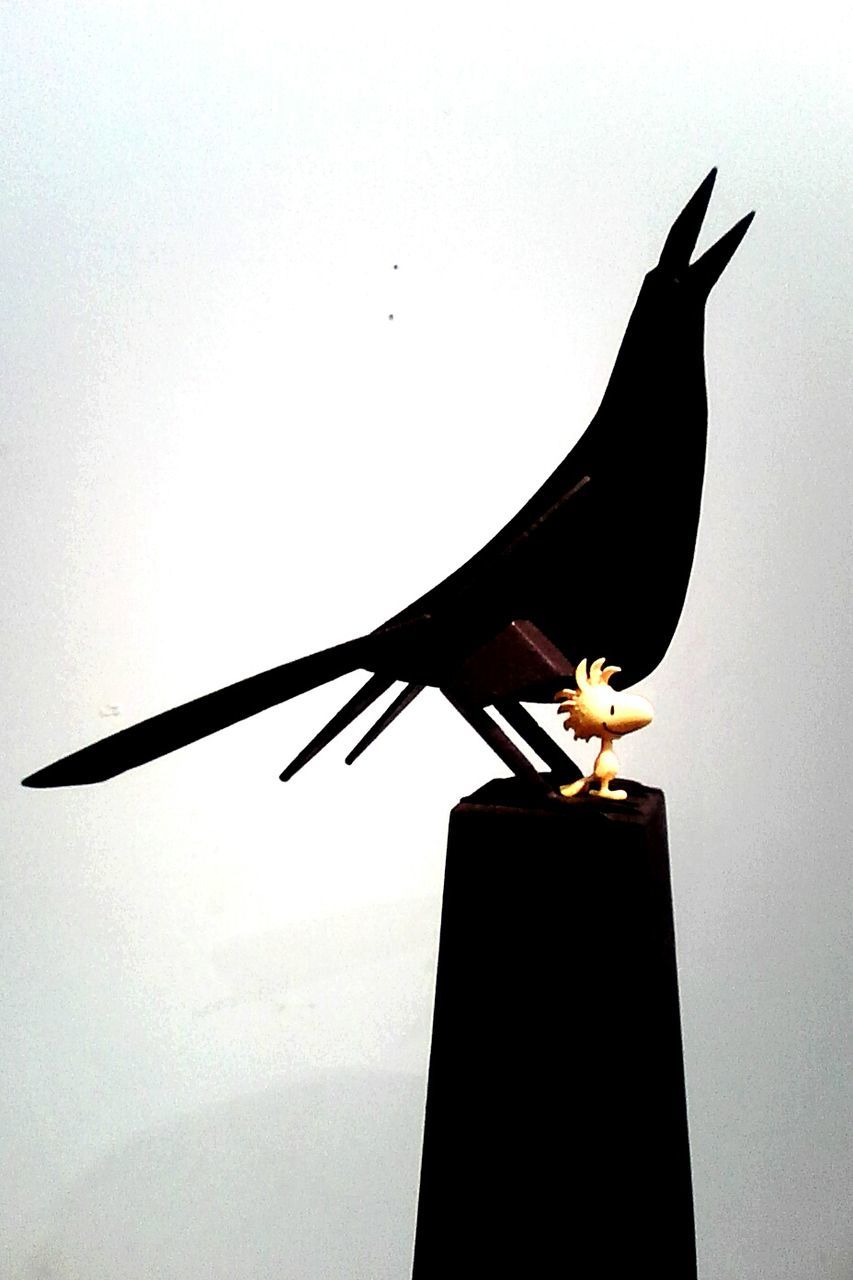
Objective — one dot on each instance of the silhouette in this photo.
(597, 561)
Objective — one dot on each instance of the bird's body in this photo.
(644, 455)
(507, 625)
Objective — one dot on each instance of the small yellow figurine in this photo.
(597, 711)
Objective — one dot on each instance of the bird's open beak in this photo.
(681, 241)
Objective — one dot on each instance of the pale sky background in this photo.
(218, 453)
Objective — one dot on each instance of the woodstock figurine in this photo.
(597, 711)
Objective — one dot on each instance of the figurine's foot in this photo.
(574, 788)
(604, 793)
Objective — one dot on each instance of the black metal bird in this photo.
(503, 629)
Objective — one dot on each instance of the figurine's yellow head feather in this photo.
(594, 710)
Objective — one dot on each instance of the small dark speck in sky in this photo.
(395, 266)
(390, 317)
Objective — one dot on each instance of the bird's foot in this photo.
(575, 788)
(604, 793)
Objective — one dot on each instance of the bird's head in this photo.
(660, 364)
(594, 710)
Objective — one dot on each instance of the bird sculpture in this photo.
(503, 629)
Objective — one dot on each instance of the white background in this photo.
(218, 452)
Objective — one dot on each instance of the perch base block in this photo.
(555, 1139)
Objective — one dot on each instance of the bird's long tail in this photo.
(182, 725)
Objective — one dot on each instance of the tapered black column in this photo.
(556, 1129)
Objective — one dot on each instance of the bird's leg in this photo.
(536, 737)
(502, 746)
(605, 769)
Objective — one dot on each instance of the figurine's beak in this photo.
(636, 715)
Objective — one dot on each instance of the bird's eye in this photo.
(613, 710)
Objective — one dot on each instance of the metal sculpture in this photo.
(502, 629)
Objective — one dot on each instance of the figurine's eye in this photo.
(613, 710)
